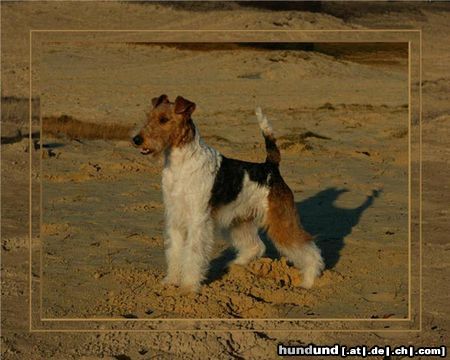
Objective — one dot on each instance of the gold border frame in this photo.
(409, 319)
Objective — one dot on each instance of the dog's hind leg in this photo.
(288, 236)
(247, 242)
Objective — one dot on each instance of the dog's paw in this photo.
(170, 280)
(308, 280)
(241, 261)
(186, 289)
(307, 283)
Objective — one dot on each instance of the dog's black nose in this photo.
(138, 140)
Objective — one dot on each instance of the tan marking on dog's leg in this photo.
(289, 237)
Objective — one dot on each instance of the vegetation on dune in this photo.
(75, 129)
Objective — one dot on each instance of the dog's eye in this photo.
(163, 120)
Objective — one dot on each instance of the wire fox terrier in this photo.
(203, 189)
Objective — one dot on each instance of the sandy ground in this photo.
(102, 218)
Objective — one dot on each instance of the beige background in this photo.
(17, 19)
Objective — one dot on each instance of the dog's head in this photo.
(168, 125)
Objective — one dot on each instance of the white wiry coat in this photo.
(187, 180)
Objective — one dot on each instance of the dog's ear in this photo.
(158, 100)
(183, 106)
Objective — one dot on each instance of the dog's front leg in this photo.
(196, 254)
(173, 244)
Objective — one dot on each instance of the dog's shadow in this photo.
(320, 217)
(330, 224)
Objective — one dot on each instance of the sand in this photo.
(341, 118)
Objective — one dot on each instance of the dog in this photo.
(203, 189)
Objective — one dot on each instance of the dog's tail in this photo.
(273, 153)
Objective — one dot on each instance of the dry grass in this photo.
(15, 117)
(75, 129)
(16, 110)
(401, 133)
